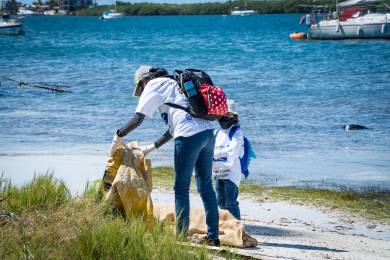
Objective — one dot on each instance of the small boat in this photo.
(10, 26)
(243, 12)
(111, 14)
(298, 35)
(360, 27)
(352, 19)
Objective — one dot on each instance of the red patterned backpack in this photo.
(206, 100)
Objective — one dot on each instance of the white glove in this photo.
(116, 142)
(148, 149)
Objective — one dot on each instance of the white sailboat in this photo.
(10, 26)
(111, 14)
(353, 20)
(244, 12)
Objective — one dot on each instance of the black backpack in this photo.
(198, 87)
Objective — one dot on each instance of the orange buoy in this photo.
(298, 35)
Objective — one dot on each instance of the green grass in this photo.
(163, 178)
(50, 224)
(43, 193)
(369, 205)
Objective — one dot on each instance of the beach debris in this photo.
(8, 216)
(52, 87)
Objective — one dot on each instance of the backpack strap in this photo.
(178, 107)
(233, 131)
(186, 109)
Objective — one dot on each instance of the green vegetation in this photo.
(277, 6)
(40, 220)
(43, 194)
(369, 205)
(261, 7)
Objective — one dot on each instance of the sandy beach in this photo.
(288, 231)
(284, 230)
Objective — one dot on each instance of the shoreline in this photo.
(76, 164)
(284, 230)
(87, 164)
(355, 205)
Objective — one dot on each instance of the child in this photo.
(229, 147)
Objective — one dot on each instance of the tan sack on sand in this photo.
(231, 230)
(127, 182)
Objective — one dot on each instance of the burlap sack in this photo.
(127, 182)
(232, 231)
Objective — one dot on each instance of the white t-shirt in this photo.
(163, 90)
(227, 153)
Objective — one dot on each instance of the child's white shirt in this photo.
(227, 153)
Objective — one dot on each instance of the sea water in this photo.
(293, 96)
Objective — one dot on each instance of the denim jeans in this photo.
(195, 152)
(227, 193)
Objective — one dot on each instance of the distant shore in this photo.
(217, 8)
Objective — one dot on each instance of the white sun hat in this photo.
(142, 72)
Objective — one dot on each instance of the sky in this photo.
(102, 2)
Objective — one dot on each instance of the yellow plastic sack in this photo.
(127, 182)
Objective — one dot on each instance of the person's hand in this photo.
(116, 142)
(148, 149)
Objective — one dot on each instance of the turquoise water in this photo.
(293, 96)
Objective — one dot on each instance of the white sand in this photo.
(288, 231)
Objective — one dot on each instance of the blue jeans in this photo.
(195, 152)
(227, 193)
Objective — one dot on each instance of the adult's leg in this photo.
(231, 194)
(186, 153)
(204, 184)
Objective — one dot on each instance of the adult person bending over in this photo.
(194, 145)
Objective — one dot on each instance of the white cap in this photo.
(141, 72)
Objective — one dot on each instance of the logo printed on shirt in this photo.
(188, 117)
(170, 82)
(220, 159)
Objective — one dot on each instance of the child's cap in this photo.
(232, 106)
